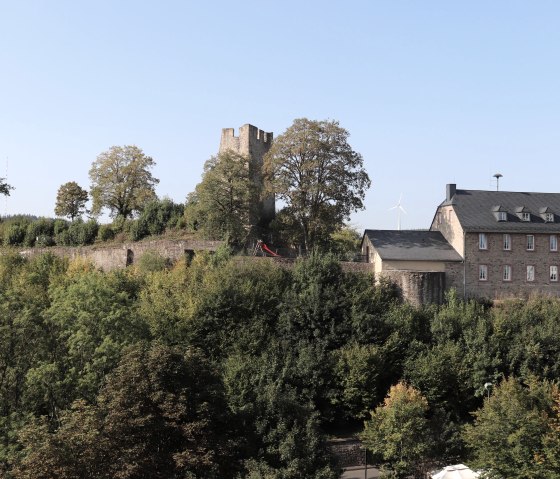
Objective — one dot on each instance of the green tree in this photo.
(224, 203)
(345, 242)
(161, 414)
(549, 460)
(508, 431)
(321, 179)
(398, 431)
(5, 187)
(121, 181)
(356, 372)
(71, 200)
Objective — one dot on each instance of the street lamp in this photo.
(487, 387)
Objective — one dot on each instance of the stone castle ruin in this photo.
(253, 144)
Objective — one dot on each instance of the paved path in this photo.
(359, 473)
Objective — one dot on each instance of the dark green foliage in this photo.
(105, 233)
(14, 232)
(98, 370)
(170, 420)
(40, 233)
(159, 215)
(78, 233)
(508, 432)
(152, 261)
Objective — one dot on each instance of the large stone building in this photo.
(506, 245)
(253, 144)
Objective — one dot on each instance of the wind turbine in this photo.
(399, 209)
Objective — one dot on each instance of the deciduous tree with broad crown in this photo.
(398, 430)
(121, 181)
(313, 169)
(224, 202)
(71, 200)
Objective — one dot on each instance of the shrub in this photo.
(78, 234)
(152, 261)
(14, 234)
(40, 231)
(105, 233)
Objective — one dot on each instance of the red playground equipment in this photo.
(264, 250)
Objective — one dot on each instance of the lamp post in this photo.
(487, 387)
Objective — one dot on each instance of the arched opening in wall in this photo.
(189, 256)
(129, 257)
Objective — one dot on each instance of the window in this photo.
(553, 243)
(507, 242)
(482, 241)
(502, 216)
(482, 272)
(507, 273)
(530, 273)
(554, 273)
(549, 217)
(525, 216)
(530, 243)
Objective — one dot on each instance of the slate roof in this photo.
(477, 210)
(412, 245)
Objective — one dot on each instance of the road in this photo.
(359, 473)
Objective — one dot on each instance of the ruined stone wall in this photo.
(112, 257)
(417, 287)
(253, 143)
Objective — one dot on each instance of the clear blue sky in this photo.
(432, 92)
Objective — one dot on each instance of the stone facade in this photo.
(517, 258)
(254, 144)
(492, 269)
(418, 287)
(113, 257)
(418, 281)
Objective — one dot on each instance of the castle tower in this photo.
(254, 144)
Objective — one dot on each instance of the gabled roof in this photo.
(412, 245)
(476, 209)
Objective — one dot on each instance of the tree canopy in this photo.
(398, 430)
(5, 187)
(224, 202)
(71, 200)
(321, 179)
(121, 181)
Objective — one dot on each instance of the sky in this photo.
(431, 92)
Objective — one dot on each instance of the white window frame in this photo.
(525, 216)
(530, 273)
(506, 276)
(553, 243)
(554, 274)
(502, 216)
(482, 241)
(507, 242)
(482, 272)
(549, 217)
(530, 242)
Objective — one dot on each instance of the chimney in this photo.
(450, 191)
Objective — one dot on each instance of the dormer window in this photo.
(500, 213)
(546, 214)
(523, 213)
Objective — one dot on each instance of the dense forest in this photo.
(232, 368)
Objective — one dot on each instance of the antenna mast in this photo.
(6, 196)
(498, 176)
